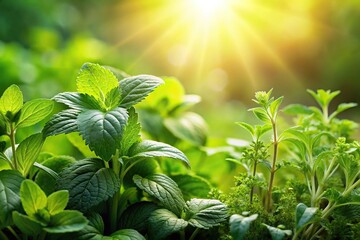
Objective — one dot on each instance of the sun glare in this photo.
(208, 8)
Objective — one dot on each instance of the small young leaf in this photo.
(32, 197)
(164, 189)
(102, 131)
(57, 201)
(28, 151)
(260, 114)
(205, 213)
(149, 149)
(274, 106)
(240, 225)
(342, 107)
(34, 111)
(135, 89)
(62, 122)
(96, 81)
(165, 220)
(26, 224)
(131, 134)
(128, 234)
(66, 221)
(89, 183)
(247, 127)
(295, 109)
(192, 186)
(11, 101)
(277, 233)
(77, 100)
(10, 182)
(303, 215)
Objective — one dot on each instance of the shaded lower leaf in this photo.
(26, 224)
(136, 215)
(127, 234)
(205, 213)
(62, 122)
(277, 233)
(240, 225)
(89, 183)
(192, 186)
(303, 215)
(66, 221)
(162, 223)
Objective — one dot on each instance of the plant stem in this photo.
(193, 235)
(273, 167)
(114, 203)
(14, 233)
(13, 145)
(252, 187)
(182, 234)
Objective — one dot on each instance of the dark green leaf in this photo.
(10, 182)
(102, 131)
(26, 224)
(66, 221)
(149, 149)
(135, 89)
(62, 122)
(136, 215)
(127, 234)
(164, 189)
(32, 197)
(295, 109)
(189, 127)
(276, 233)
(89, 183)
(131, 134)
(142, 168)
(77, 101)
(192, 186)
(28, 151)
(34, 111)
(205, 213)
(240, 225)
(303, 215)
(162, 223)
(11, 101)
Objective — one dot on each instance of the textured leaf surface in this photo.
(28, 151)
(32, 197)
(164, 189)
(136, 215)
(10, 182)
(11, 100)
(62, 122)
(66, 221)
(127, 234)
(26, 224)
(240, 225)
(76, 100)
(303, 215)
(96, 81)
(162, 223)
(149, 148)
(135, 89)
(103, 131)
(205, 213)
(88, 183)
(34, 111)
(131, 134)
(192, 186)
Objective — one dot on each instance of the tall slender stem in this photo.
(114, 203)
(13, 145)
(193, 235)
(273, 167)
(252, 187)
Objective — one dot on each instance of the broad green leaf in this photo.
(277, 233)
(66, 221)
(127, 234)
(34, 111)
(10, 182)
(87, 233)
(247, 127)
(32, 197)
(89, 183)
(131, 133)
(77, 100)
(102, 131)
(164, 189)
(274, 106)
(260, 114)
(26, 224)
(323, 97)
(62, 122)
(162, 223)
(28, 151)
(57, 201)
(205, 213)
(303, 215)
(11, 101)
(187, 102)
(152, 123)
(342, 107)
(96, 221)
(149, 149)
(192, 186)
(113, 98)
(77, 141)
(295, 109)
(143, 167)
(135, 89)
(96, 81)
(189, 127)
(136, 215)
(240, 225)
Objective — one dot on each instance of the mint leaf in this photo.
(128, 234)
(26, 224)
(28, 151)
(135, 89)
(11, 101)
(66, 221)
(102, 131)
(62, 122)
(276, 233)
(205, 213)
(303, 215)
(34, 111)
(10, 182)
(32, 197)
(77, 100)
(165, 220)
(164, 189)
(192, 186)
(131, 134)
(89, 183)
(149, 149)
(57, 201)
(96, 81)
(240, 225)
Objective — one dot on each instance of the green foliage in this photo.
(239, 225)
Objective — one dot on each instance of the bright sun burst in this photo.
(208, 8)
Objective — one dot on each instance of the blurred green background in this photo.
(223, 52)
